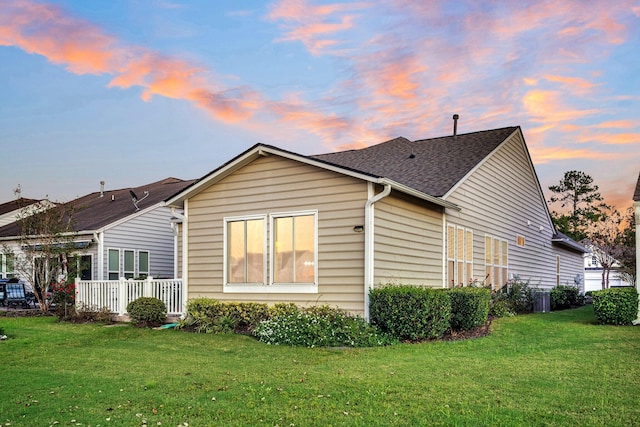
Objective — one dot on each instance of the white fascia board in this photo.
(419, 194)
(248, 157)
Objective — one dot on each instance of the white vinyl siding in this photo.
(149, 232)
(502, 198)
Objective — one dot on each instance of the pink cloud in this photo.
(314, 25)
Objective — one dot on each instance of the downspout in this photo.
(98, 238)
(369, 233)
(183, 255)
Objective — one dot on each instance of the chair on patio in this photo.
(15, 294)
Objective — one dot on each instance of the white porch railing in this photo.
(115, 295)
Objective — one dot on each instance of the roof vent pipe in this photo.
(455, 124)
(101, 188)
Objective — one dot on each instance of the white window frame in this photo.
(109, 271)
(462, 257)
(268, 252)
(148, 270)
(5, 272)
(124, 270)
(244, 287)
(293, 287)
(502, 265)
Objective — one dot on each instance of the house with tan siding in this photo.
(273, 226)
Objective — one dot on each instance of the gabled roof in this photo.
(431, 166)
(14, 205)
(636, 194)
(98, 210)
(426, 168)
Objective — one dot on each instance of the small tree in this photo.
(604, 239)
(628, 246)
(44, 239)
(583, 204)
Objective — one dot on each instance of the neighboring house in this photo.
(9, 212)
(593, 274)
(271, 225)
(117, 237)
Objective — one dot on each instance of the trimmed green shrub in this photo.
(147, 311)
(565, 296)
(410, 312)
(320, 326)
(212, 316)
(616, 306)
(500, 308)
(517, 295)
(469, 307)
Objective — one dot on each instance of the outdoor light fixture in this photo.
(358, 228)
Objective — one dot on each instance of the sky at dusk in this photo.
(134, 91)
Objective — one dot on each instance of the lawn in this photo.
(540, 369)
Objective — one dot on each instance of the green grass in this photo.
(544, 369)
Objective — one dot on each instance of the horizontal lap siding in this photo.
(408, 243)
(151, 232)
(498, 199)
(273, 185)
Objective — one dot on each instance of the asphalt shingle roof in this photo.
(92, 212)
(636, 195)
(14, 205)
(432, 166)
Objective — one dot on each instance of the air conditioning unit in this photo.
(541, 301)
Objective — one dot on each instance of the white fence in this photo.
(115, 295)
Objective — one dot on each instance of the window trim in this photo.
(462, 256)
(109, 271)
(502, 258)
(269, 286)
(247, 287)
(5, 272)
(299, 287)
(124, 264)
(137, 265)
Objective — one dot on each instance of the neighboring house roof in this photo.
(97, 210)
(432, 166)
(636, 195)
(14, 205)
(567, 242)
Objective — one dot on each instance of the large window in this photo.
(294, 248)
(459, 255)
(288, 241)
(496, 260)
(245, 250)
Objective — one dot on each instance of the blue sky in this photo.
(131, 92)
